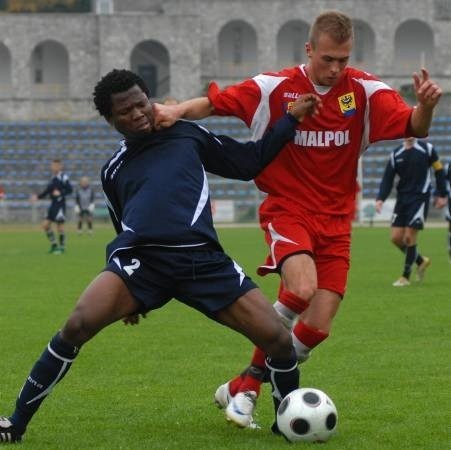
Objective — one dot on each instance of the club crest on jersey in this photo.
(288, 106)
(347, 104)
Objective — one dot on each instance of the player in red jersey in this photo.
(310, 185)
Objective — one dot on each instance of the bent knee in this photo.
(305, 290)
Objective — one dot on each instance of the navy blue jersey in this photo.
(413, 167)
(156, 187)
(448, 187)
(59, 183)
(448, 177)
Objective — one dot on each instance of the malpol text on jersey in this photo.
(306, 138)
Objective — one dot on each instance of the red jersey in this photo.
(317, 170)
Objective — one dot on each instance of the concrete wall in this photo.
(189, 30)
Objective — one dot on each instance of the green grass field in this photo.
(386, 364)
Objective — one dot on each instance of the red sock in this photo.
(235, 384)
(252, 381)
(309, 336)
(292, 301)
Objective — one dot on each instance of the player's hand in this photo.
(76, 209)
(33, 198)
(91, 207)
(165, 115)
(132, 319)
(427, 92)
(56, 193)
(379, 204)
(305, 105)
(440, 202)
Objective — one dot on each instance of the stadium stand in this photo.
(26, 148)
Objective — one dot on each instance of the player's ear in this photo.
(308, 49)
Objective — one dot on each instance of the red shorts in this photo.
(326, 237)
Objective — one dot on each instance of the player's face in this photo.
(131, 112)
(55, 167)
(327, 60)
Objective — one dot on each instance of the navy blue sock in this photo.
(51, 237)
(45, 374)
(411, 255)
(284, 377)
(62, 239)
(418, 259)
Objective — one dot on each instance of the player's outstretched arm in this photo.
(229, 158)
(194, 109)
(428, 94)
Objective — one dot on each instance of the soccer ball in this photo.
(307, 414)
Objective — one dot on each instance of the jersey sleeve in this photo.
(45, 192)
(77, 198)
(389, 116)
(387, 180)
(229, 158)
(240, 100)
(67, 186)
(440, 177)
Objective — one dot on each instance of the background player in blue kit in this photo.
(411, 162)
(57, 189)
(166, 246)
(448, 215)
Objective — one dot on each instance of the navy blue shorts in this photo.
(203, 278)
(56, 213)
(411, 212)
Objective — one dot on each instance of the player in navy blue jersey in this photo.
(411, 162)
(166, 246)
(57, 189)
(448, 214)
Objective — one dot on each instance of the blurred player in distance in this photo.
(84, 205)
(157, 194)
(57, 189)
(448, 214)
(310, 186)
(411, 162)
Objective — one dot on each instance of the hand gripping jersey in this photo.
(317, 170)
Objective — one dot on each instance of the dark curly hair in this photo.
(115, 81)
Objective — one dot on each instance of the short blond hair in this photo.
(335, 24)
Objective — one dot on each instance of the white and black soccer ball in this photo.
(307, 414)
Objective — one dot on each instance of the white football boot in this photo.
(240, 409)
(223, 396)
